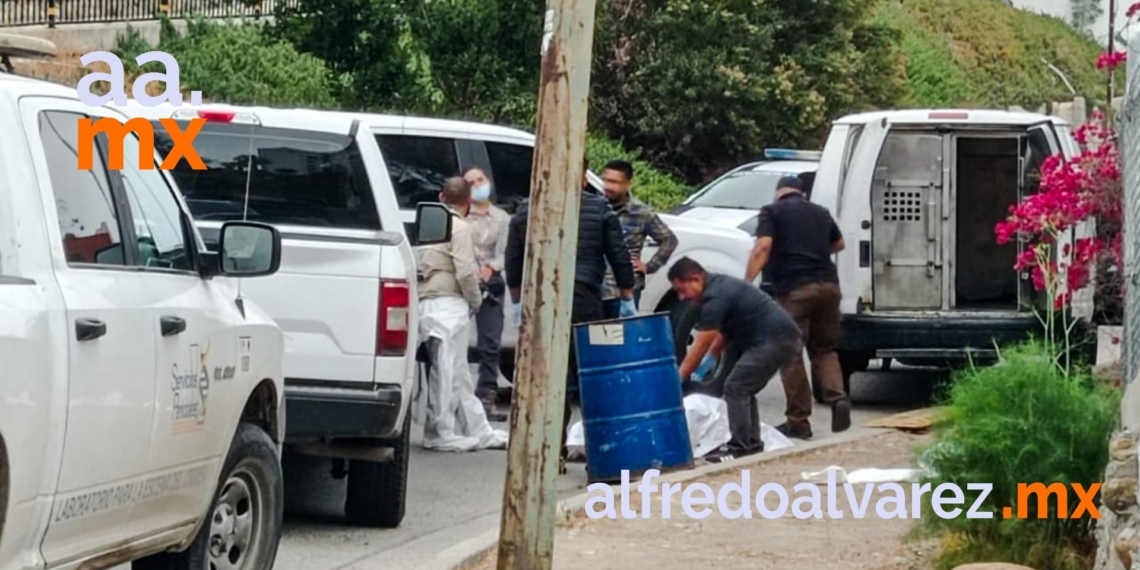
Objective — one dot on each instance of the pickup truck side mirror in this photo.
(248, 249)
(433, 224)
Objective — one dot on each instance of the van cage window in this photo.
(299, 177)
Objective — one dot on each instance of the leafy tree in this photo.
(482, 56)
(702, 85)
(364, 43)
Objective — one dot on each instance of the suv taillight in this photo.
(392, 336)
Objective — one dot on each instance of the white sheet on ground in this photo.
(707, 419)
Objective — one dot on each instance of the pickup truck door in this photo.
(200, 388)
(112, 343)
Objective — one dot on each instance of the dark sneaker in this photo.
(797, 433)
(561, 465)
(840, 415)
(489, 400)
(724, 454)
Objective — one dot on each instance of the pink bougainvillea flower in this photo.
(1111, 60)
(1132, 10)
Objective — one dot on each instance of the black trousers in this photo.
(752, 372)
(587, 308)
(489, 329)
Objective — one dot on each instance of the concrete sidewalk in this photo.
(681, 542)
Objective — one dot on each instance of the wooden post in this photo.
(530, 497)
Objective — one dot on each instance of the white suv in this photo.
(345, 293)
(141, 418)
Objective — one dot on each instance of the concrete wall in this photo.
(83, 38)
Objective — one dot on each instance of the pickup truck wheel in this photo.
(244, 525)
(377, 492)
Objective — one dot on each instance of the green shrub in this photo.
(1021, 421)
(236, 64)
(650, 185)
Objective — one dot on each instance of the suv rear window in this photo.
(299, 177)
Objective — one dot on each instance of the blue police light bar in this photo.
(792, 154)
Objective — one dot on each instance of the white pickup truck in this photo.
(345, 295)
(141, 414)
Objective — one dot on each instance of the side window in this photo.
(1036, 151)
(511, 164)
(156, 215)
(418, 166)
(88, 214)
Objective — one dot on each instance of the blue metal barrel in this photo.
(633, 414)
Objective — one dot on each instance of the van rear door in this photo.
(907, 198)
(312, 185)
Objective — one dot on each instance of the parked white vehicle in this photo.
(917, 195)
(141, 414)
(345, 293)
(734, 199)
(421, 152)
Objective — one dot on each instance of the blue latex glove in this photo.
(708, 363)
(628, 309)
(517, 314)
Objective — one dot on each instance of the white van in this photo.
(345, 293)
(141, 415)
(917, 195)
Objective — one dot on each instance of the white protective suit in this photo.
(455, 418)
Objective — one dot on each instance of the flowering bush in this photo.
(1087, 186)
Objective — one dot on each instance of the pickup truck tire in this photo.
(250, 491)
(377, 492)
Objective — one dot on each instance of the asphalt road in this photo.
(455, 497)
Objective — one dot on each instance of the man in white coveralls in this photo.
(449, 295)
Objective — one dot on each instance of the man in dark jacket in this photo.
(600, 243)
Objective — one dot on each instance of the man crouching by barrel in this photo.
(733, 312)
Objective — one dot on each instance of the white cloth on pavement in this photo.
(455, 419)
(707, 419)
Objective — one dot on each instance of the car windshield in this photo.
(747, 190)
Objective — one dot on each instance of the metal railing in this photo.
(58, 12)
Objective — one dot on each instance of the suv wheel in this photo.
(244, 525)
(377, 492)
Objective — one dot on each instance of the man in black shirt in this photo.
(794, 244)
(733, 312)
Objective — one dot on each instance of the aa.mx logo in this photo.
(116, 132)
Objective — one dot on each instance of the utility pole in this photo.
(526, 532)
(1111, 50)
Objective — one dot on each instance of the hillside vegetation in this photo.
(986, 54)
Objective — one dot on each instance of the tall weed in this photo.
(1021, 421)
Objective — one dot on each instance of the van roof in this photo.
(944, 116)
(333, 121)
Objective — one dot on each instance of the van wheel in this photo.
(244, 524)
(377, 492)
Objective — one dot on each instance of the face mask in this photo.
(481, 193)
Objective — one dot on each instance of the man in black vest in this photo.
(794, 244)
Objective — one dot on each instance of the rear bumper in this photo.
(317, 413)
(934, 336)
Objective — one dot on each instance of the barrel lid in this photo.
(15, 45)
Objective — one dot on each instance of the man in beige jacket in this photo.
(449, 295)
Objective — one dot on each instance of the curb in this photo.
(471, 551)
